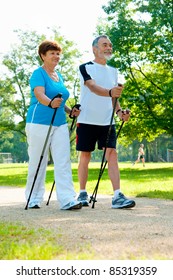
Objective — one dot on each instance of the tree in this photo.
(14, 84)
(20, 62)
(141, 33)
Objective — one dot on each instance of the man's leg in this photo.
(143, 161)
(138, 160)
(113, 169)
(119, 200)
(83, 169)
(83, 176)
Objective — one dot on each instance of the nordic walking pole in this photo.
(42, 154)
(116, 139)
(77, 106)
(128, 111)
(93, 197)
(102, 170)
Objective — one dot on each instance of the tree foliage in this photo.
(20, 63)
(142, 33)
(15, 91)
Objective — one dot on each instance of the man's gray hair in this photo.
(95, 42)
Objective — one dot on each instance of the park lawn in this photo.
(155, 180)
(19, 242)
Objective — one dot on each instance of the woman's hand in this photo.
(56, 102)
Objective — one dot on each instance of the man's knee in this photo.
(85, 156)
(111, 153)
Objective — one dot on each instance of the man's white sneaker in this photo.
(122, 202)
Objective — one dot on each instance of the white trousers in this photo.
(59, 145)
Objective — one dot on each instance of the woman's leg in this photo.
(36, 136)
(60, 150)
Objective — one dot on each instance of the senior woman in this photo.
(46, 83)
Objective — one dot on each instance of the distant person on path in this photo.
(140, 155)
(99, 88)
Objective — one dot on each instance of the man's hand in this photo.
(117, 91)
(75, 112)
(124, 115)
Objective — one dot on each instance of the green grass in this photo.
(154, 181)
(19, 242)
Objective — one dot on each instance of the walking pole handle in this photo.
(77, 106)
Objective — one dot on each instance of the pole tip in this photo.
(93, 205)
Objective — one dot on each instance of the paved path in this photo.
(144, 232)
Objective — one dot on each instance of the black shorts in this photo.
(87, 135)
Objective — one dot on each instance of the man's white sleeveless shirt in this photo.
(96, 109)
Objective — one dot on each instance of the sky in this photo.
(76, 20)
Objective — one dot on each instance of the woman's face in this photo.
(51, 57)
